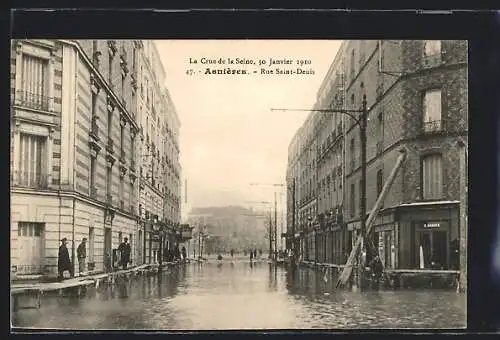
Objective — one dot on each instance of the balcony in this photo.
(432, 126)
(32, 100)
(30, 180)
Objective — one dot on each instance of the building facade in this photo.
(74, 152)
(416, 94)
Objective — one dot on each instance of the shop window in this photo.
(432, 177)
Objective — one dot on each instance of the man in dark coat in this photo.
(124, 249)
(184, 253)
(63, 261)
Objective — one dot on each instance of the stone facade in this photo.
(75, 174)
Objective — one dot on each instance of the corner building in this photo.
(74, 157)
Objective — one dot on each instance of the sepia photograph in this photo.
(191, 185)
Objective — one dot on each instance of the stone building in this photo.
(74, 157)
(417, 98)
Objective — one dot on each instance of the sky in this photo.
(229, 136)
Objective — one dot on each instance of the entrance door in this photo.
(107, 241)
(30, 241)
(435, 249)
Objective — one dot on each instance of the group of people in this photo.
(65, 267)
(170, 255)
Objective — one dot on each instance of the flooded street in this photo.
(243, 296)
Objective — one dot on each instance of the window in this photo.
(380, 181)
(380, 126)
(352, 64)
(432, 48)
(432, 110)
(122, 193)
(108, 183)
(352, 202)
(91, 244)
(110, 67)
(32, 166)
(34, 83)
(131, 197)
(120, 237)
(122, 139)
(92, 175)
(123, 84)
(432, 177)
(360, 187)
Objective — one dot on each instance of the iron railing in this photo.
(32, 100)
(30, 179)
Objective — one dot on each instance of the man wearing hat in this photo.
(63, 262)
(81, 252)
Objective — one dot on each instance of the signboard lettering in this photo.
(432, 225)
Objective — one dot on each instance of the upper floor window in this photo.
(352, 152)
(34, 83)
(432, 177)
(352, 71)
(32, 167)
(432, 110)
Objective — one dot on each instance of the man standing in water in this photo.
(81, 251)
(63, 261)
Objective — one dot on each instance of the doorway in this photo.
(434, 245)
(30, 248)
(107, 241)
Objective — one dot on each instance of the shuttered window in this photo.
(34, 87)
(32, 161)
(432, 176)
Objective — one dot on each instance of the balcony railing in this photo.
(432, 126)
(30, 180)
(32, 100)
(109, 199)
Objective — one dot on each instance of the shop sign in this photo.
(432, 225)
(297, 234)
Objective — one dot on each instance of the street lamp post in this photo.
(361, 120)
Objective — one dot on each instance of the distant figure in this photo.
(260, 252)
(63, 261)
(184, 253)
(124, 249)
(255, 253)
(377, 269)
(251, 256)
(232, 253)
(219, 258)
(81, 252)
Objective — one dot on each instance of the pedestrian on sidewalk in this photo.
(81, 252)
(63, 261)
(184, 253)
(124, 249)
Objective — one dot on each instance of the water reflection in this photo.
(242, 295)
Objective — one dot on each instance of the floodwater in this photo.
(238, 295)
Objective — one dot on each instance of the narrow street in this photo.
(240, 295)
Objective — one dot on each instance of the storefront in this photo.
(426, 235)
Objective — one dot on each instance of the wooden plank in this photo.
(346, 273)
